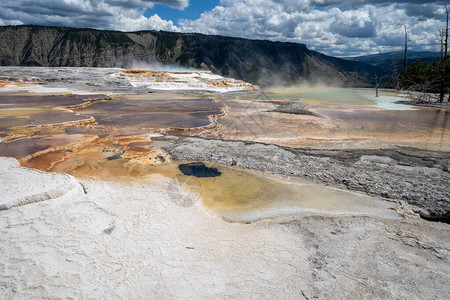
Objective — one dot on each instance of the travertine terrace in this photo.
(317, 197)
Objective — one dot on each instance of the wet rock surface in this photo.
(293, 106)
(419, 177)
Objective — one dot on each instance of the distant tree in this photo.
(421, 77)
(431, 80)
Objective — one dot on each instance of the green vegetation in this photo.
(423, 77)
(165, 44)
(114, 38)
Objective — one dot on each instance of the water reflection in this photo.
(153, 113)
(244, 196)
(31, 145)
(117, 147)
(350, 124)
(323, 95)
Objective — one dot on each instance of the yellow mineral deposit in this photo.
(246, 196)
(107, 137)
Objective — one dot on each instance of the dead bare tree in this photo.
(446, 32)
(376, 83)
(355, 79)
(395, 81)
(445, 52)
(443, 64)
(405, 61)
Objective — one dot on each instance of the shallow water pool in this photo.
(246, 196)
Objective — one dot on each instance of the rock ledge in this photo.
(21, 186)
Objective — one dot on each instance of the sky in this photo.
(338, 28)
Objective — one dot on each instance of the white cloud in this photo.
(354, 23)
(331, 26)
(101, 14)
(364, 28)
(154, 22)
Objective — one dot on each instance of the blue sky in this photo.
(193, 11)
(333, 27)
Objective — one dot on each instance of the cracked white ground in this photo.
(132, 240)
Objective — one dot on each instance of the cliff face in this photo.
(260, 62)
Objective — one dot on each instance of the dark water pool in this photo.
(198, 169)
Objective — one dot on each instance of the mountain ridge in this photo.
(260, 62)
(384, 60)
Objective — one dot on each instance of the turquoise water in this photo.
(388, 102)
(336, 96)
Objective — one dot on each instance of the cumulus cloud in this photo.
(180, 4)
(154, 22)
(339, 28)
(354, 24)
(354, 3)
(101, 14)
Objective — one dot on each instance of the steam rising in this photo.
(156, 76)
(157, 66)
